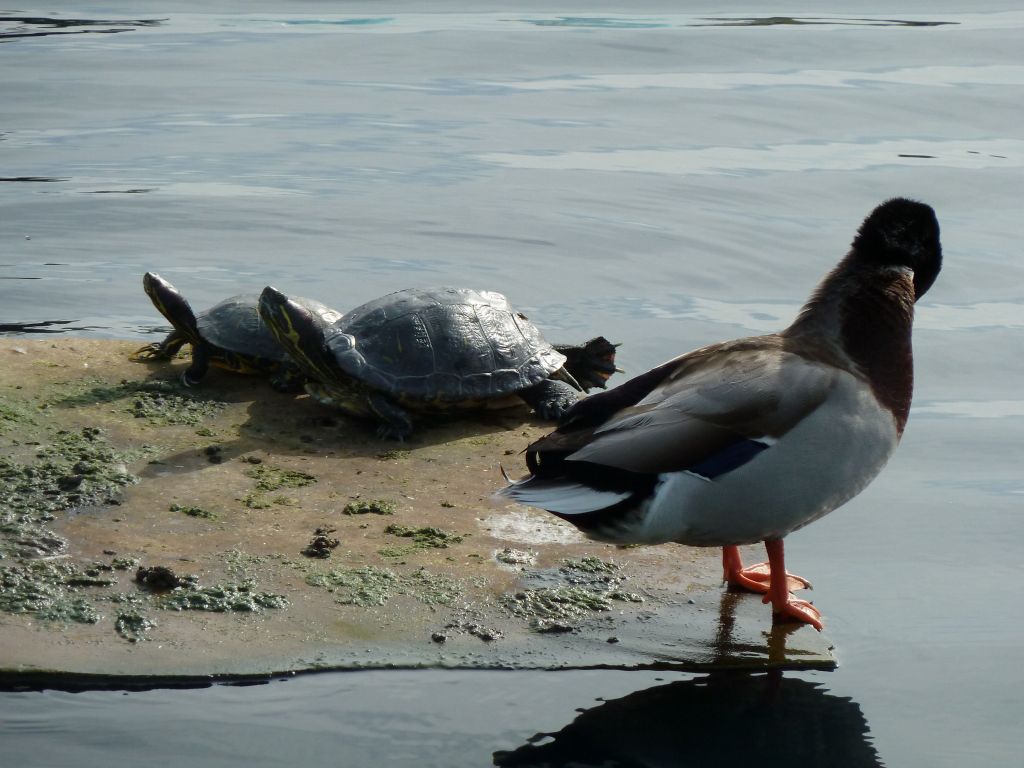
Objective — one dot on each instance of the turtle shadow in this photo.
(281, 424)
(293, 422)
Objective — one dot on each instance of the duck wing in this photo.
(695, 413)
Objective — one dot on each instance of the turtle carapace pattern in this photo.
(433, 349)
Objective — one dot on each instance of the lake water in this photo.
(665, 174)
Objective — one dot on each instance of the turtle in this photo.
(229, 335)
(433, 349)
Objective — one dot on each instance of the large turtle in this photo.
(433, 349)
(229, 335)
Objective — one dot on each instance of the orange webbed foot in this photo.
(774, 581)
(794, 609)
(757, 577)
(754, 578)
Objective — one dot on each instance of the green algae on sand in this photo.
(373, 586)
(370, 507)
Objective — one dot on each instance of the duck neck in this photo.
(863, 315)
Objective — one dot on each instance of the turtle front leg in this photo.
(160, 350)
(192, 375)
(395, 422)
(288, 378)
(550, 399)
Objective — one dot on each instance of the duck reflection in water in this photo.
(729, 717)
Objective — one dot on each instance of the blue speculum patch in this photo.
(733, 456)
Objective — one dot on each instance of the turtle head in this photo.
(172, 305)
(591, 363)
(300, 332)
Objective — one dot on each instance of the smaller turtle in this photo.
(229, 335)
(433, 349)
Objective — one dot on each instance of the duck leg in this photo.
(785, 607)
(754, 578)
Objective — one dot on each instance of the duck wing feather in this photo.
(689, 410)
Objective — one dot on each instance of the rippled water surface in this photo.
(665, 174)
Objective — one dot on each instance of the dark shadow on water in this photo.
(44, 326)
(598, 22)
(139, 191)
(729, 717)
(773, 21)
(722, 719)
(42, 26)
(38, 682)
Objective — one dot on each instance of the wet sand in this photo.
(218, 493)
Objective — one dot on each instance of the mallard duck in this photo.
(748, 440)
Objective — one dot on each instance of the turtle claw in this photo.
(154, 351)
(288, 379)
(553, 410)
(550, 399)
(395, 423)
(388, 432)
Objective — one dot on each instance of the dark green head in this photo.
(902, 233)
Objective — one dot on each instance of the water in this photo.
(665, 176)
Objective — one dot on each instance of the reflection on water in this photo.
(723, 719)
(807, 156)
(771, 21)
(42, 26)
(755, 21)
(15, 26)
(31, 178)
(45, 326)
(729, 717)
(973, 409)
(939, 76)
(765, 317)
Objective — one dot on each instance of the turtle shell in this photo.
(235, 325)
(446, 344)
